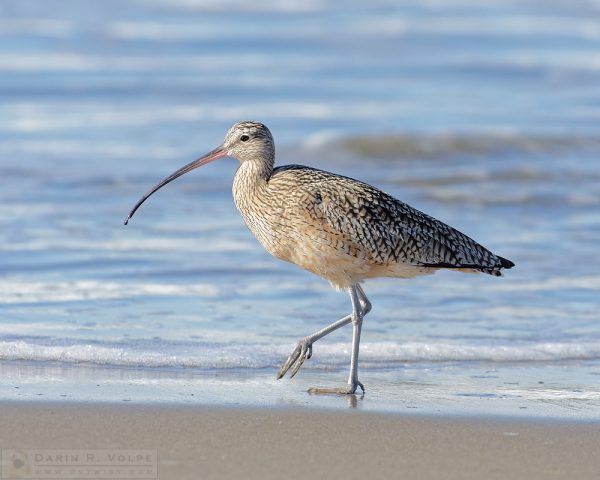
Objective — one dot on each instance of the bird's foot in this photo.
(347, 390)
(303, 351)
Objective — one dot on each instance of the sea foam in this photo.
(155, 353)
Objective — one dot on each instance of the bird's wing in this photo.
(385, 229)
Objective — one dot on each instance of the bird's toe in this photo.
(301, 352)
(305, 353)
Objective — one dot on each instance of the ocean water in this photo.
(484, 115)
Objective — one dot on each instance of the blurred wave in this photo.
(436, 146)
(161, 353)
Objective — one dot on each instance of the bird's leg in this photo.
(303, 350)
(360, 307)
(358, 314)
(364, 301)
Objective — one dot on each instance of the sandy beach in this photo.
(204, 442)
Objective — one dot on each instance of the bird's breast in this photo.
(263, 213)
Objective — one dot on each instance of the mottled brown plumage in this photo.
(347, 231)
(341, 229)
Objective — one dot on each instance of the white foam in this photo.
(497, 25)
(20, 291)
(45, 27)
(291, 6)
(209, 64)
(81, 148)
(226, 356)
(117, 244)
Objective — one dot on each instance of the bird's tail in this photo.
(497, 270)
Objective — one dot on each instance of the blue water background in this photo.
(496, 103)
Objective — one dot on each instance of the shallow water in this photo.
(483, 115)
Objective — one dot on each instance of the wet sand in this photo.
(206, 443)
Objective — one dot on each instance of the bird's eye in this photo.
(244, 138)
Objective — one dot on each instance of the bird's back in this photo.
(346, 231)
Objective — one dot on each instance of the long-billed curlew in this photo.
(341, 229)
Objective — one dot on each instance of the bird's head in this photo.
(250, 141)
(246, 141)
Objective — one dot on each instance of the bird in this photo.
(341, 229)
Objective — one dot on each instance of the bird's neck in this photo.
(250, 180)
(254, 174)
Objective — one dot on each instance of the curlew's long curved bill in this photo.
(209, 157)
